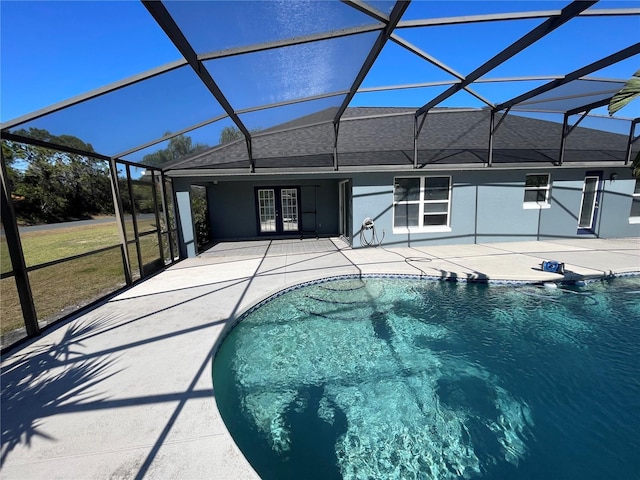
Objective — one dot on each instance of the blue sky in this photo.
(53, 50)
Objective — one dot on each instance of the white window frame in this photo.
(635, 196)
(421, 228)
(547, 189)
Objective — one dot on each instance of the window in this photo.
(634, 214)
(536, 191)
(421, 204)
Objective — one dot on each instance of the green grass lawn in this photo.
(48, 245)
(5, 261)
(62, 288)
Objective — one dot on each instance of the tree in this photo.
(179, 147)
(629, 92)
(55, 186)
(8, 156)
(232, 133)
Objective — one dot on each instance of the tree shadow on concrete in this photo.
(42, 383)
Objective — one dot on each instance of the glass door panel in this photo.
(267, 210)
(589, 202)
(289, 202)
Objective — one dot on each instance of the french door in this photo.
(278, 210)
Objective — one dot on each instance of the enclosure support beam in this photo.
(62, 148)
(164, 19)
(134, 219)
(169, 136)
(417, 129)
(396, 14)
(252, 161)
(566, 131)
(424, 118)
(563, 140)
(416, 135)
(367, 9)
(93, 94)
(16, 254)
(582, 117)
(415, 142)
(570, 11)
(576, 74)
(587, 108)
(632, 139)
(492, 130)
(167, 221)
(502, 119)
(117, 203)
(336, 129)
(288, 42)
(425, 56)
(494, 17)
(156, 213)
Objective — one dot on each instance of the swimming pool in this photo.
(401, 378)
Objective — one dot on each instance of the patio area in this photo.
(125, 390)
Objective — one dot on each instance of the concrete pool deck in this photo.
(125, 390)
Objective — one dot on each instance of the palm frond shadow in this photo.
(47, 382)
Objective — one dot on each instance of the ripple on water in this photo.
(407, 379)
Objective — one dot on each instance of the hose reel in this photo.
(368, 236)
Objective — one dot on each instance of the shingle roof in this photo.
(448, 136)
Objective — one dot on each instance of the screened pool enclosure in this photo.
(88, 204)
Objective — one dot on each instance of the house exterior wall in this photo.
(617, 205)
(232, 207)
(487, 206)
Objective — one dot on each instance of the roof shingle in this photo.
(371, 136)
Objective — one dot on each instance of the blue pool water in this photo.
(398, 378)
